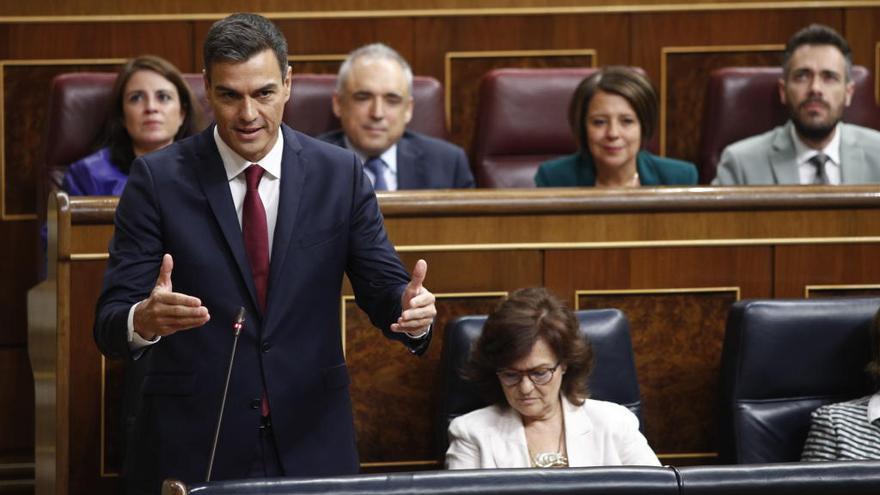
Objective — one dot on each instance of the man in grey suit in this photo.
(814, 146)
(374, 103)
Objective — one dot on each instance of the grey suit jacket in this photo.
(769, 158)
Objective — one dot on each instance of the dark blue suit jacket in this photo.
(424, 162)
(177, 201)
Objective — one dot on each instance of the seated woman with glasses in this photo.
(532, 363)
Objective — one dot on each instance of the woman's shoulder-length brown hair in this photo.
(511, 331)
(625, 82)
(115, 135)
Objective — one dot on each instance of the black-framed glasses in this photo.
(538, 376)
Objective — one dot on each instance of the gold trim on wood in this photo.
(809, 288)
(447, 65)
(876, 68)
(553, 246)
(323, 57)
(668, 50)
(442, 295)
(25, 63)
(103, 420)
(455, 12)
(663, 290)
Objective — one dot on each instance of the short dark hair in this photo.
(115, 136)
(626, 82)
(873, 367)
(817, 34)
(511, 331)
(239, 37)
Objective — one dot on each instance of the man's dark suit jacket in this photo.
(423, 162)
(178, 201)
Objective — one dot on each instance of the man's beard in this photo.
(812, 131)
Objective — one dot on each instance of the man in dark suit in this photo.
(252, 214)
(374, 103)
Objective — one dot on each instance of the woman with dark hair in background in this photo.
(533, 363)
(612, 114)
(849, 430)
(152, 106)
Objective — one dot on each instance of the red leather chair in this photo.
(310, 108)
(522, 120)
(78, 107)
(744, 101)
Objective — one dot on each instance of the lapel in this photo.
(509, 446)
(292, 182)
(212, 175)
(646, 170)
(782, 157)
(577, 427)
(852, 159)
(410, 165)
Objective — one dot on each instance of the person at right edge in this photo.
(814, 146)
(849, 431)
(248, 213)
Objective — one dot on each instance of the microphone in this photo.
(236, 327)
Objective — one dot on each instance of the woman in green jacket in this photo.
(613, 113)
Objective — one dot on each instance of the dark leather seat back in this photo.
(801, 478)
(310, 107)
(79, 103)
(618, 480)
(613, 377)
(744, 101)
(780, 361)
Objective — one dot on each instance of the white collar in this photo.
(874, 408)
(804, 153)
(388, 156)
(235, 164)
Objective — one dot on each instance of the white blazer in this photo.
(598, 433)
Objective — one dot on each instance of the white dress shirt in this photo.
(389, 156)
(806, 170)
(270, 187)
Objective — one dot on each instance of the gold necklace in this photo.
(552, 459)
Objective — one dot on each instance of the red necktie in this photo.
(256, 243)
(256, 233)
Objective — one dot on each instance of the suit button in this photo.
(266, 346)
(255, 403)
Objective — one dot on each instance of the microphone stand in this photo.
(236, 327)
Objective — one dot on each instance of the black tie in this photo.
(818, 161)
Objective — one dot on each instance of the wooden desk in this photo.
(673, 259)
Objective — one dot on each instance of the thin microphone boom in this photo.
(236, 327)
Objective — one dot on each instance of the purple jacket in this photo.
(94, 175)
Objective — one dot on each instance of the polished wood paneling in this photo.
(677, 309)
(390, 389)
(673, 259)
(677, 345)
(548, 43)
(797, 267)
(85, 438)
(360, 8)
(17, 388)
